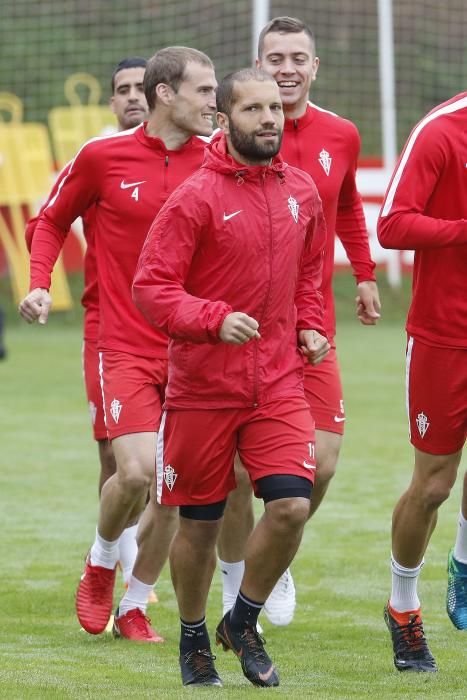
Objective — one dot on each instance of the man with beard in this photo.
(326, 146)
(230, 271)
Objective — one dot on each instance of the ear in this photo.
(223, 122)
(258, 63)
(164, 93)
(315, 67)
(111, 104)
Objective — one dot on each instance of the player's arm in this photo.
(75, 192)
(352, 231)
(32, 223)
(159, 283)
(402, 223)
(308, 299)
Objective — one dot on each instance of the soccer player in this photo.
(128, 103)
(127, 177)
(230, 271)
(327, 147)
(425, 210)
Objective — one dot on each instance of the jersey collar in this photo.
(156, 144)
(303, 121)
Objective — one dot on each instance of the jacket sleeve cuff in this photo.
(215, 324)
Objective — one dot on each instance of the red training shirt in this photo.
(327, 147)
(90, 296)
(127, 177)
(425, 209)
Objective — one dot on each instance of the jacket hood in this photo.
(217, 158)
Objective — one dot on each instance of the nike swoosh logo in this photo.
(308, 466)
(238, 652)
(338, 419)
(266, 676)
(125, 185)
(229, 216)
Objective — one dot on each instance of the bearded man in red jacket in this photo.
(327, 147)
(230, 271)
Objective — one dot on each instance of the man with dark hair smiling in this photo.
(230, 270)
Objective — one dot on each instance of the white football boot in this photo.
(280, 606)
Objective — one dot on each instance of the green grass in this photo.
(337, 647)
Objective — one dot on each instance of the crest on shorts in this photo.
(115, 409)
(93, 412)
(422, 424)
(293, 207)
(325, 161)
(170, 476)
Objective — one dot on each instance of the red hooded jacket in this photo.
(234, 238)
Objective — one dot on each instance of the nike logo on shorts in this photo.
(230, 216)
(339, 419)
(308, 466)
(126, 185)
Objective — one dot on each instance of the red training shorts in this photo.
(133, 389)
(323, 391)
(436, 393)
(92, 383)
(196, 449)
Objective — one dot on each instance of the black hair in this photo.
(132, 62)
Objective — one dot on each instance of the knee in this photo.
(434, 493)
(202, 534)
(434, 478)
(289, 514)
(326, 460)
(326, 468)
(134, 479)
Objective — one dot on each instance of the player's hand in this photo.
(314, 346)
(238, 328)
(36, 306)
(368, 303)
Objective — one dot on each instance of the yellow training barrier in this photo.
(26, 168)
(72, 126)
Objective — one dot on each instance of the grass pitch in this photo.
(337, 646)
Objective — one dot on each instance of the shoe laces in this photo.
(283, 584)
(411, 637)
(255, 643)
(201, 662)
(140, 622)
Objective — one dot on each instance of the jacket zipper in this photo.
(266, 299)
(166, 167)
(297, 144)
